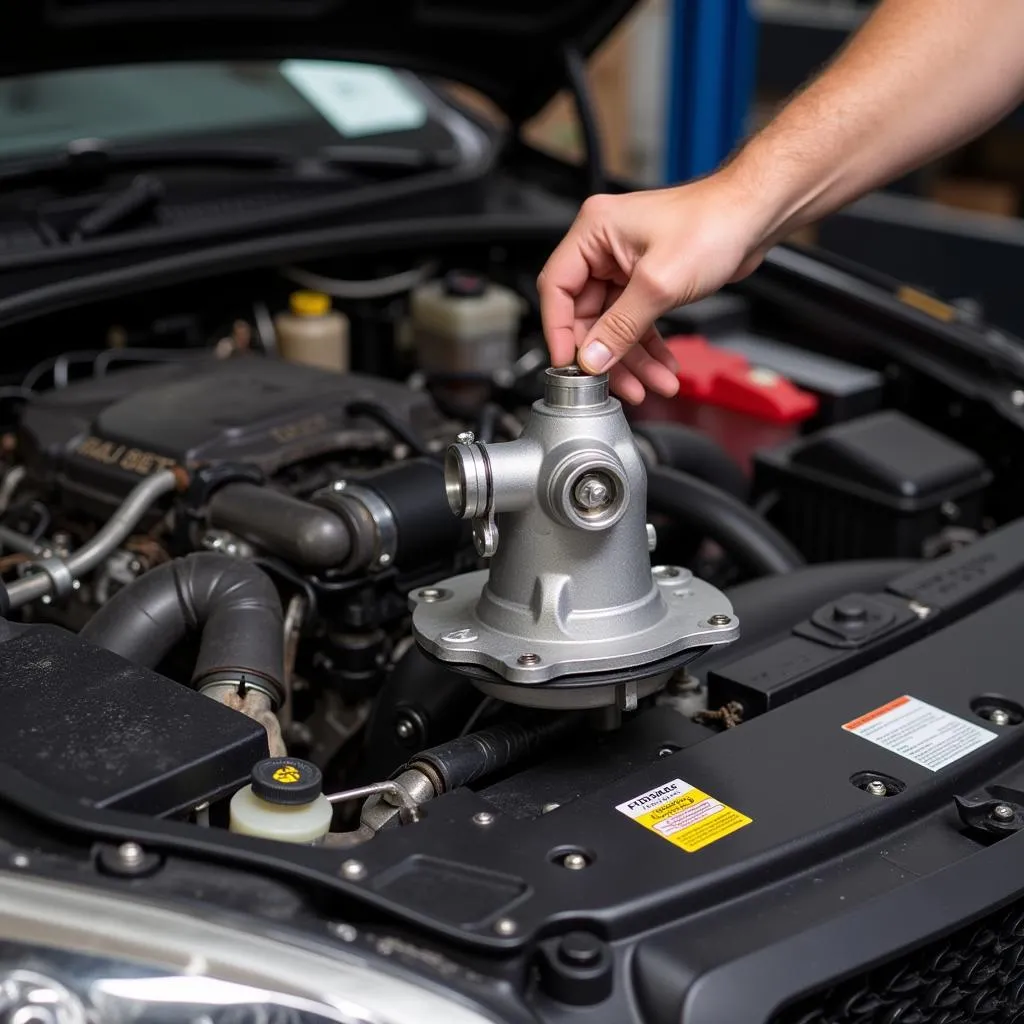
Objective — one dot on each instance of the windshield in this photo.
(311, 102)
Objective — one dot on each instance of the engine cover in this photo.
(95, 439)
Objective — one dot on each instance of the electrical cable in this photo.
(375, 288)
(576, 75)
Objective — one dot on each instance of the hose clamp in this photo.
(384, 526)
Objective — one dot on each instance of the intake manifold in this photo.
(570, 613)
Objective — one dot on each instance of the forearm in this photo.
(921, 77)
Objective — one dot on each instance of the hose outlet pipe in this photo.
(570, 613)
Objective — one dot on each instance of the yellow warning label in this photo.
(684, 815)
(287, 773)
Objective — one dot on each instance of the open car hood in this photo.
(511, 50)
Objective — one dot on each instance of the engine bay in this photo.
(400, 610)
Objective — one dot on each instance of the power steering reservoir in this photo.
(570, 613)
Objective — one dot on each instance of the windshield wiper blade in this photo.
(92, 160)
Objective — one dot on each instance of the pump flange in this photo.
(570, 596)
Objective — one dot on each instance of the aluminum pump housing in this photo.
(570, 613)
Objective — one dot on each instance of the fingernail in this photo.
(596, 357)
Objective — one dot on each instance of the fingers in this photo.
(564, 277)
(626, 321)
(650, 371)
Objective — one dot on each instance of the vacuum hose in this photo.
(746, 536)
(676, 446)
(233, 604)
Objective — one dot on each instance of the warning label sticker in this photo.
(683, 815)
(926, 735)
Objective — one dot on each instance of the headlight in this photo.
(73, 956)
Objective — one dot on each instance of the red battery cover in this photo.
(743, 407)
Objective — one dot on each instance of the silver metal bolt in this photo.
(528, 659)
(720, 620)
(505, 926)
(46, 599)
(483, 819)
(405, 729)
(1017, 397)
(339, 485)
(343, 931)
(877, 788)
(664, 572)
(431, 595)
(998, 716)
(548, 808)
(20, 860)
(592, 492)
(1003, 812)
(652, 537)
(574, 861)
(466, 437)
(353, 870)
(131, 855)
(76, 584)
(384, 559)
(920, 610)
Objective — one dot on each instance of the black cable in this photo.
(576, 75)
(747, 538)
(487, 422)
(383, 416)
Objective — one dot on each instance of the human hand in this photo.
(627, 260)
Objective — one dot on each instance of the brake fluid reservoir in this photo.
(312, 333)
(464, 323)
(284, 801)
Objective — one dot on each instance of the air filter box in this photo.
(877, 487)
(92, 726)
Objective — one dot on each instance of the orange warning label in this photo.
(921, 733)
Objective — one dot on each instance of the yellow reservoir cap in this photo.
(310, 303)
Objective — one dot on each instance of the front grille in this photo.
(974, 975)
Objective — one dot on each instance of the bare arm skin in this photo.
(919, 79)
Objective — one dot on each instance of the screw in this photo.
(666, 751)
(339, 485)
(920, 610)
(76, 585)
(528, 659)
(593, 492)
(345, 932)
(432, 595)
(1003, 812)
(999, 716)
(652, 537)
(46, 599)
(1017, 398)
(574, 861)
(548, 808)
(664, 572)
(130, 855)
(483, 819)
(505, 926)
(384, 559)
(466, 437)
(719, 620)
(876, 787)
(353, 870)
(20, 860)
(405, 728)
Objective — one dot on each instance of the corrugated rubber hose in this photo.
(233, 604)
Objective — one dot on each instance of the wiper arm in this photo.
(92, 160)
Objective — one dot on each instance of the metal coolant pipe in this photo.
(53, 573)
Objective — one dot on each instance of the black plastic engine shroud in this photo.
(97, 438)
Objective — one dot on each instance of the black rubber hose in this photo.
(680, 447)
(231, 603)
(748, 538)
(468, 758)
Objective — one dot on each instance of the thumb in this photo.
(624, 323)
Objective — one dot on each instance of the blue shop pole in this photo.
(712, 55)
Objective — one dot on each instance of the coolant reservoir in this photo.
(464, 323)
(284, 801)
(313, 333)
